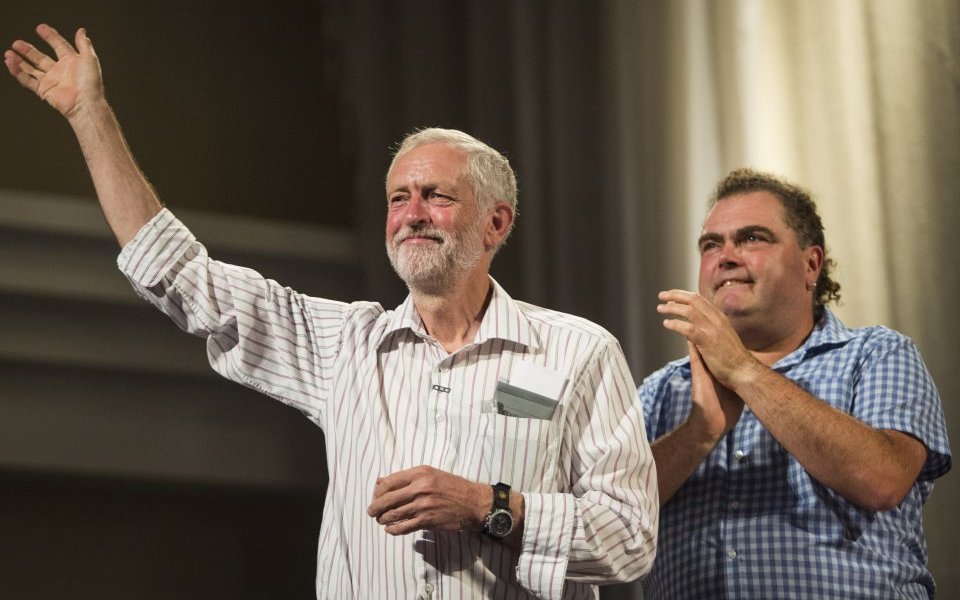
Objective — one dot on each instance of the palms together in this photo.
(718, 406)
(67, 83)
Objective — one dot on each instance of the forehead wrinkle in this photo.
(430, 185)
(418, 168)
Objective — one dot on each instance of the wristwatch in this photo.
(499, 523)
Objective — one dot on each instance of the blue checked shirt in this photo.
(751, 523)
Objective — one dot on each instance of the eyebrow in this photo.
(749, 229)
(712, 237)
(431, 186)
(739, 234)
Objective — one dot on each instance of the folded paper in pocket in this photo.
(513, 401)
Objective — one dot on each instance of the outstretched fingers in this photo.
(66, 80)
(34, 58)
(60, 45)
(27, 64)
(21, 69)
(83, 43)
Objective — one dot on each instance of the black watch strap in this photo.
(499, 523)
(501, 496)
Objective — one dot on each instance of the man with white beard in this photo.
(478, 446)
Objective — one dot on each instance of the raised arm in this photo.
(72, 84)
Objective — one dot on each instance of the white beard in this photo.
(436, 267)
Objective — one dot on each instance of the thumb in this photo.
(83, 43)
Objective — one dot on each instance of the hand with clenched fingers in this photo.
(427, 498)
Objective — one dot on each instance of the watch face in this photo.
(500, 523)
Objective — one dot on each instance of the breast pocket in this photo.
(520, 452)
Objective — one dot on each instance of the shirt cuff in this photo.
(155, 249)
(548, 527)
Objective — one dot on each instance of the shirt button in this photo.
(735, 504)
(440, 418)
(732, 553)
(739, 454)
(428, 588)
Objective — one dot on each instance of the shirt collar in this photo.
(503, 320)
(828, 332)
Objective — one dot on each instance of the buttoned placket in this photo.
(427, 589)
(443, 445)
(440, 390)
(738, 453)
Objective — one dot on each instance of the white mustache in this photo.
(409, 232)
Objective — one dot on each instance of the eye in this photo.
(396, 200)
(708, 245)
(436, 197)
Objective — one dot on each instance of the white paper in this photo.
(537, 379)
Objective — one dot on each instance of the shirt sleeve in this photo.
(660, 416)
(895, 391)
(259, 333)
(605, 529)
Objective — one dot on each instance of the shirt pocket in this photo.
(520, 452)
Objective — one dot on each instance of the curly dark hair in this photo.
(800, 215)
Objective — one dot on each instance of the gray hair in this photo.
(488, 172)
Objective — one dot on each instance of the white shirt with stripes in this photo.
(388, 397)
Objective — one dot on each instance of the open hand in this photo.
(67, 83)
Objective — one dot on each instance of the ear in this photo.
(813, 263)
(498, 226)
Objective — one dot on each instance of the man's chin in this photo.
(424, 280)
(433, 286)
(732, 299)
(734, 308)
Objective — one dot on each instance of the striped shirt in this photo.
(752, 523)
(388, 397)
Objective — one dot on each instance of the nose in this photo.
(729, 256)
(416, 212)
